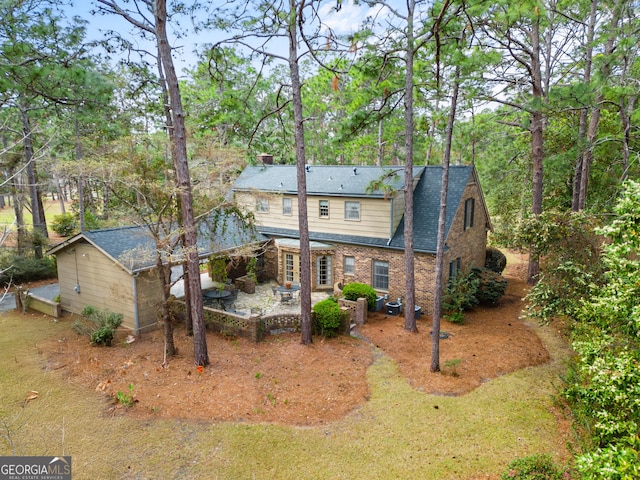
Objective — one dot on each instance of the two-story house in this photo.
(356, 231)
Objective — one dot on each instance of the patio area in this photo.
(263, 302)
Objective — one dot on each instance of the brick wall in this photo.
(468, 245)
(364, 257)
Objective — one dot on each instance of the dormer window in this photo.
(324, 208)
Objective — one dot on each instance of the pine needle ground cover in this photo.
(397, 431)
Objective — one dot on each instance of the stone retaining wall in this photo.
(253, 327)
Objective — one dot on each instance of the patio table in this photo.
(217, 297)
(287, 294)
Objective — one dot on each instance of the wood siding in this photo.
(103, 284)
(148, 299)
(375, 214)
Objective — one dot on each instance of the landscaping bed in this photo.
(280, 380)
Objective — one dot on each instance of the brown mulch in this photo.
(282, 381)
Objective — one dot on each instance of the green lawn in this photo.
(51, 208)
(399, 433)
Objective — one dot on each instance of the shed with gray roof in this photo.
(114, 269)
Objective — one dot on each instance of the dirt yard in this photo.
(282, 381)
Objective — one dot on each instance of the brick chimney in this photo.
(265, 159)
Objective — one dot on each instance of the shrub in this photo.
(327, 317)
(354, 291)
(491, 286)
(495, 260)
(126, 399)
(460, 296)
(99, 325)
(91, 221)
(533, 467)
(65, 224)
(26, 269)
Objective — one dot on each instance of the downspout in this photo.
(390, 222)
(136, 319)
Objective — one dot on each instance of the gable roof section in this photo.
(426, 206)
(329, 180)
(426, 198)
(133, 247)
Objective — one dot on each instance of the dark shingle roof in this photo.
(133, 247)
(426, 206)
(426, 198)
(321, 179)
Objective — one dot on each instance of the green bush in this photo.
(65, 224)
(99, 325)
(26, 269)
(354, 291)
(533, 467)
(460, 296)
(91, 221)
(491, 286)
(327, 317)
(495, 260)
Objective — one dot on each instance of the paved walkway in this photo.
(48, 292)
(263, 300)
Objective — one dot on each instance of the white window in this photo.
(324, 270)
(352, 210)
(286, 206)
(324, 208)
(289, 267)
(349, 265)
(380, 275)
(262, 205)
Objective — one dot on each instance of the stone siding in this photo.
(253, 327)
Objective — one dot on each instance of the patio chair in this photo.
(286, 297)
(227, 302)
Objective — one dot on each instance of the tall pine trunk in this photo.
(303, 225)
(37, 208)
(180, 160)
(409, 261)
(537, 141)
(442, 216)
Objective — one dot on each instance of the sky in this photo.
(346, 21)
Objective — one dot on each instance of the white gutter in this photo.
(136, 318)
(390, 222)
